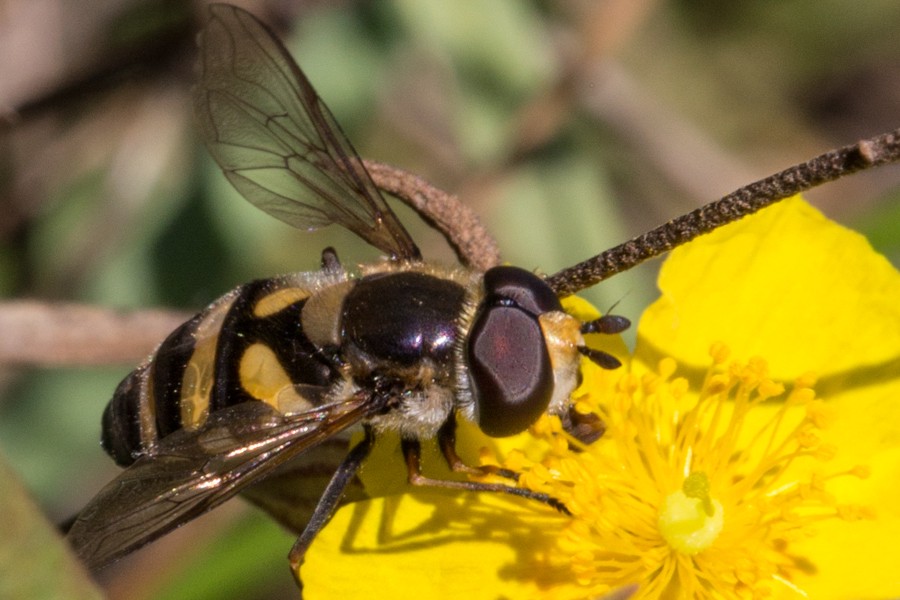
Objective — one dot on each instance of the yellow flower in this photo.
(752, 448)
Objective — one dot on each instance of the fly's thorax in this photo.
(321, 315)
(400, 330)
(404, 324)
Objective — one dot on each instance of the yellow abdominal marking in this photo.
(196, 384)
(263, 377)
(279, 300)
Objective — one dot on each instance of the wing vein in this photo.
(255, 104)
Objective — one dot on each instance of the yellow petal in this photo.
(786, 284)
(858, 559)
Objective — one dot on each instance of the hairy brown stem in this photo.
(458, 223)
(872, 152)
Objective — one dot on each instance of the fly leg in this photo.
(447, 443)
(412, 451)
(330, 262)
(329, 501)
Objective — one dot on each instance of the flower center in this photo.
(690, 520)
(743, 456)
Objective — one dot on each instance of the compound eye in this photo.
(528, 291)
(509, 370)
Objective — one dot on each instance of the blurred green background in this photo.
(569, 126)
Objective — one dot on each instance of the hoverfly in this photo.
(278, 366)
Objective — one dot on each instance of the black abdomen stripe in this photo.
(169, 365)
(125, 423)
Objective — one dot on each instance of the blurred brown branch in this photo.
(42, 333)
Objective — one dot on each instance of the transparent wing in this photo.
(276, 140)
(192, 472)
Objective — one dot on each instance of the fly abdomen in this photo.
(248, 346)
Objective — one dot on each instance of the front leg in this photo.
(412, 451)
(447, 443)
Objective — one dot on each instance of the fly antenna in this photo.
(865, 154)
(607, 324)
(602, 359)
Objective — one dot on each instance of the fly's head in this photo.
(523, 352)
